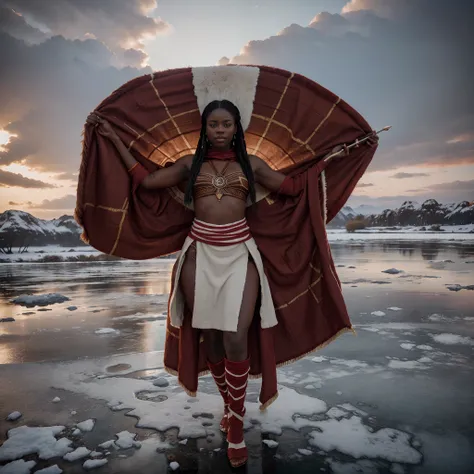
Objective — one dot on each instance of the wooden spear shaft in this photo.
(357, 142)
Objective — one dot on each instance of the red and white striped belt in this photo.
(220, 234)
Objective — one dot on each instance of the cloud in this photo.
(9, 179)
(120, 24)
(49, 90)
(13, 203)
(67, 203)
(402, 63)
(450, 192)
(15, 25)
(59, 59)
(463, 186)
(223, 61)
(402, 175)
(67, 176)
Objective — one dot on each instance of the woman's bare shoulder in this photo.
(186, 160)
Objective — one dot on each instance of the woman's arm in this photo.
(266, 176)
(163, 178)
(278, 182)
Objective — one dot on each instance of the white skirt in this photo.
(219, 286)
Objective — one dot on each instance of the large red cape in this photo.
(294, 122)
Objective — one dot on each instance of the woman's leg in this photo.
(235, 343)
(237, 367)
(213, 343)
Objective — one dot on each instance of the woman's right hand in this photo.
(103, 126)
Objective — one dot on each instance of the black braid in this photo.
(198, 160)
(243, 158)
(239, 146)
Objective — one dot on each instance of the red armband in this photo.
(138, 173)
(292, 186)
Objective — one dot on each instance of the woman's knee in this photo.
(214, 345)
(235, 344)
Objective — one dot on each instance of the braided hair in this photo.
(203, 147)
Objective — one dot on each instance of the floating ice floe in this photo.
(55, 469)
(127, 440)
(107, 444)
(26, 440)
(407, 346)
(94, 463)
(78, 453)
(395, 308)
(18, 467)
(270, 443)
(56, 400)
(392, 271)
(174, 466)
(305, 452)
(142, 317)
(352, 437)
(40, 300)
(378, 313)
(452, 339)
(13, 416)
(106, 331)
(408, 364)
(87, 425)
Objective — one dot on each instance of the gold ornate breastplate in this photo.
(234, 184)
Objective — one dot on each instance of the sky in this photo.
(405, 63)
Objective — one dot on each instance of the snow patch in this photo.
(50, 470)
(38, 440)
(18, 467)
(452, 339)
(78, 453)
(352, 437)
(270, 443)
(93, 463)
(87, 425)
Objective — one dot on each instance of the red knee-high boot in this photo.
(218, 373)
(236, 376)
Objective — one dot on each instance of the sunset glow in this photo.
(5, 139)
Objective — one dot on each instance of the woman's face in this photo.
(220, 129)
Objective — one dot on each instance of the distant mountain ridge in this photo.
(21, 229)
(411, 213)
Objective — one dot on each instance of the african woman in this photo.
(219, 274)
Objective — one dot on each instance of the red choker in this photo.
(225, 155)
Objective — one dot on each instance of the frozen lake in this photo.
(398, 398)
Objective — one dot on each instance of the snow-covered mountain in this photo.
(344, 215)
(411, 213)
(19, 229)
(429, 213)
